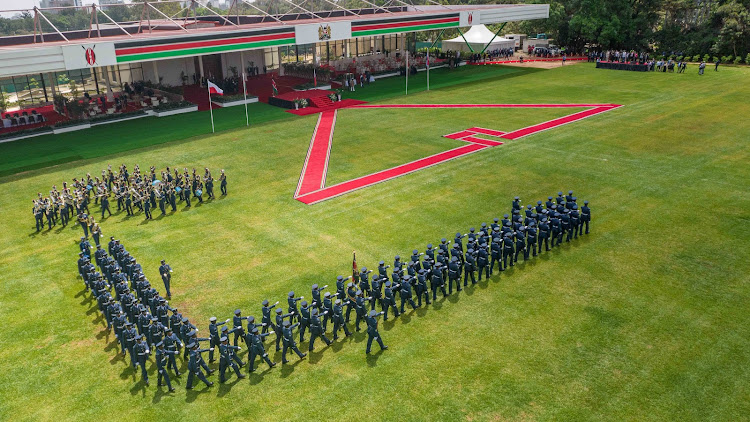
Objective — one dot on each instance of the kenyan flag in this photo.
(275, 90)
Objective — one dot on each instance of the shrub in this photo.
(173, 106)
(714, 58)
(747, 58)
(737, 60)
(706, 58)
(697, 58)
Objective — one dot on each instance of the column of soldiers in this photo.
(140, 316)
(133, 192)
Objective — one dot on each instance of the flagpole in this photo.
(428, 69)
(210, 107)
(244, 90)
(407, 72)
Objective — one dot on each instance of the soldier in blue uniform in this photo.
(585, 216)
(278, 326)
(226, 351)
(406, 293)
(292, 305)
(304, 320)
(327, 309)
(383, 270)
(239, 330)
(173, 344)
(437, 282)
(316, 330)
(454, 276)
(574, 221)
(338, 320)
(364, 282)
(213, 335)
(372, 331)
(162, 358)
(496, 251)
(194, 367)
(469, 268)
(130, 335)
(421, 287)
(255, 339)
(544, 231)
(531, 239)
(516, 204)
(266, 312)
(520, 246)
(360, 306)
(289, 342)
(316, 301)
(444, 246)
(483, 262)
(351, 295)
(341, 286)
(142, 352)
(389, 300)
(166, 275)
(376, 292)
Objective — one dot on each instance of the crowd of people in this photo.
(619, 56)
(141, 318)
(496, 54)
(134, 191)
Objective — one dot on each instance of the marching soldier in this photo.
(172, 344)
(507, 251)
(585, 216)
(436, 282)
(421, 287)
(520, 246)
(372, 331)
(406, 294)
(531, 239)
(226, 351)
(292, 302)
(142, 352)
(351, 294)
(364, 282)
(316, 302)
(454, 276)
(304, 320)
(338, 320)
(496, 251)
(469, 267)
(266, 312)
(255, 341)
(162, 357)
(194, 367)
(575, 221)
(316, 330)
(213, 335)
(483, 261)
(280, 317)
(388, 300)
(289, 342)
(327, 309)
(376, 287)
(544, 231)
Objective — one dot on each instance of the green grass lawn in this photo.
(646, 318)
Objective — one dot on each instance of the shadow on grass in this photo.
(288, 368)
(372, 358)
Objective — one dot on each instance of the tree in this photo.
(735, 27)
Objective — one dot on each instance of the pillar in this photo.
(242, 62)
(52, 84)
(110, 96)
(200, 69)
(281, 68)
(156, 72)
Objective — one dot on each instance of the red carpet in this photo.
(261, 87)
(310, 188)
(314, 171)
(371, 179)
(334, 106)
(197, 95)
(50, 115)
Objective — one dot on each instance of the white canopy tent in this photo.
(478, 37)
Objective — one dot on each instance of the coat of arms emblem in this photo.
(324, 32)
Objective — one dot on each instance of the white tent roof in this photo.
(478, 36)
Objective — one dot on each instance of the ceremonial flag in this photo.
(214, 89)
(275, 90)
(315, 78)
(354, 266)
(407, 72)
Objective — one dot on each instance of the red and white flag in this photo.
(214, 89)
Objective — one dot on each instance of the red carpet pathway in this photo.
(197, 95)
(314, 171)
(311, 190)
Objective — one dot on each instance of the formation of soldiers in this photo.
(144, 327)
(133, 191)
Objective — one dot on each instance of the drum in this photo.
(198, 192)
(178, 189)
